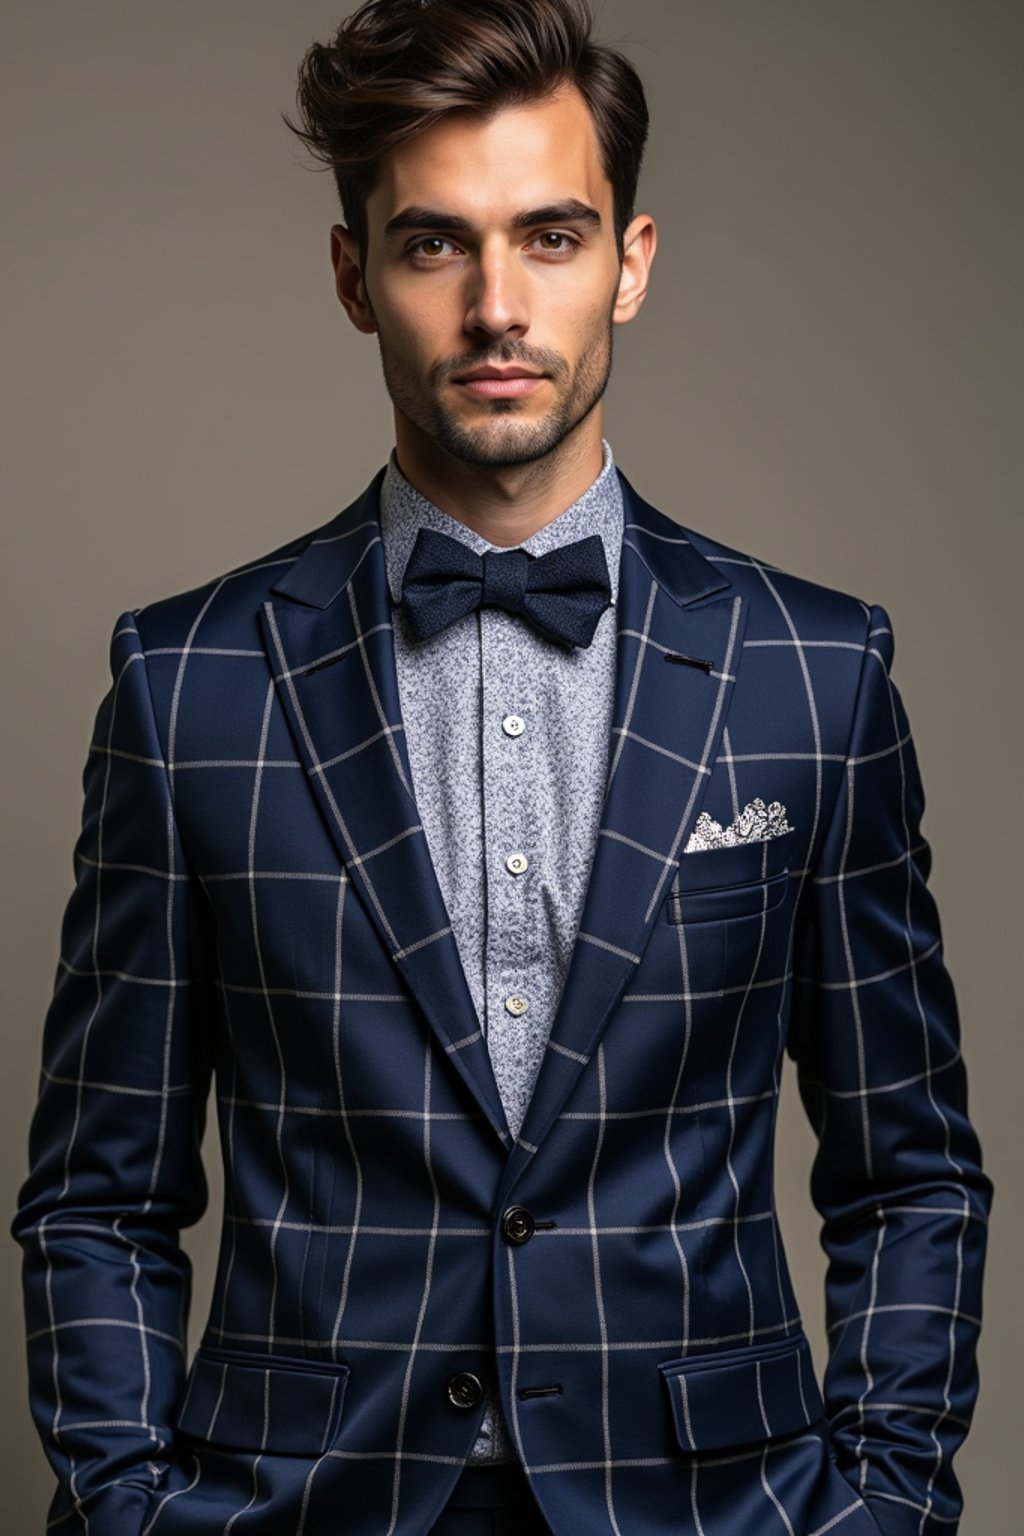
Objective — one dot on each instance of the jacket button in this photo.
(517, 1224)
(464, 1389)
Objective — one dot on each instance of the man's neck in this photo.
(504, 505)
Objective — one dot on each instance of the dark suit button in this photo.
(517, 1224)
(464, 1389)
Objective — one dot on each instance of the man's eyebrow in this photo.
(435, 220)
(417, 217)
(571, 211)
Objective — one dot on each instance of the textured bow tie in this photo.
(562, 593)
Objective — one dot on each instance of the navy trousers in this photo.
(491, 1501)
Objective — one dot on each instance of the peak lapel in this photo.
(667, 726)
(330, 642)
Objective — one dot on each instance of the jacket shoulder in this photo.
(781, 603)
(226, 605)
(782, 596)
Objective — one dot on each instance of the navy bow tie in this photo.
(562, 593)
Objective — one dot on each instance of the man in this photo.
(489, 845)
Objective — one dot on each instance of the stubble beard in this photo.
(504, 440)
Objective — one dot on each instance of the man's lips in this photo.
(497, 383)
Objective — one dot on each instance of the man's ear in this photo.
(640, 241)
(349, 282)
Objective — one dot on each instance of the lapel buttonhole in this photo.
(689, 661)
(329, 661)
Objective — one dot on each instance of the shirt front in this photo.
(508, 740)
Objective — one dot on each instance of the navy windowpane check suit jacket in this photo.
(255, 902)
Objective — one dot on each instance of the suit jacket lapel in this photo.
(330, 642)
(667, 724)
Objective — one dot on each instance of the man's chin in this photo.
(500, 443)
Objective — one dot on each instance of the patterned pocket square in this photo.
(754, 823)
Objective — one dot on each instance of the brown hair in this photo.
(395, 67)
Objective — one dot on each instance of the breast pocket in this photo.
(716, 884)
(727, 907)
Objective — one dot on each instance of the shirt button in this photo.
(516, 863)
(513, 725)
(516, 1005)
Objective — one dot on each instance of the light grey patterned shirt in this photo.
(508, 736)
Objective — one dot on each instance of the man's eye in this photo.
(431, 246)
(555, 240)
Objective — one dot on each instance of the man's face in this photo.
(491, 246)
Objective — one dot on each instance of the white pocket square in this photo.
(754, 823)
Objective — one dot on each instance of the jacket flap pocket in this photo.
(249, 1402)
(740, 1396)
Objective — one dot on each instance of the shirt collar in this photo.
(404, 511)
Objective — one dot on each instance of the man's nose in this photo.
(497, 297)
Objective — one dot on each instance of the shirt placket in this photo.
(515, 986)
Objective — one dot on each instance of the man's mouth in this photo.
(498, 383)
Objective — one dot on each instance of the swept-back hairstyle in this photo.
(395, 67)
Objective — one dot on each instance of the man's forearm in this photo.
(897, 1176)
(115, 1168)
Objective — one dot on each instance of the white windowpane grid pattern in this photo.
(254, 898)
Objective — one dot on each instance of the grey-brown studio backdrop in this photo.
(827, 373)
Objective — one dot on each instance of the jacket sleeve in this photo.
(897, 1175)
(115, 1169)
